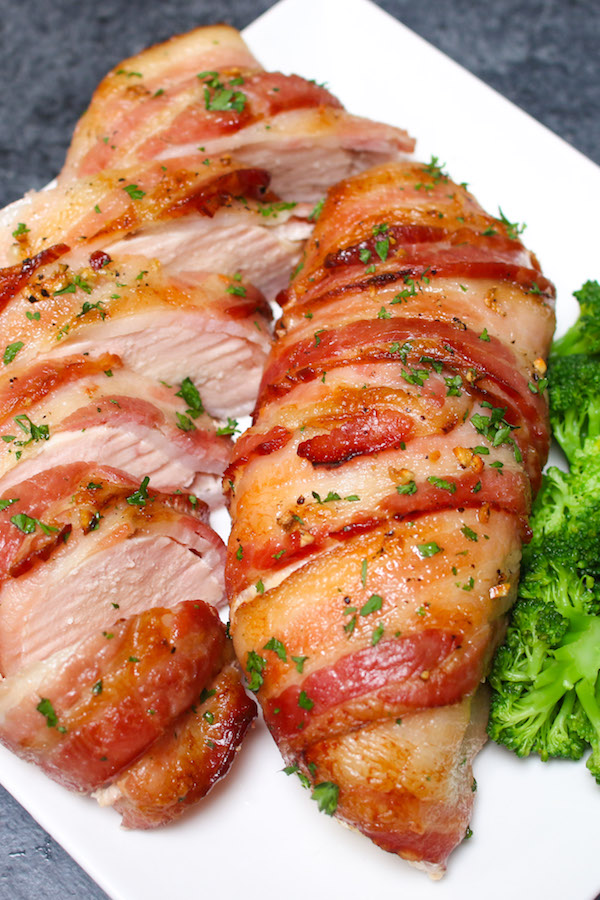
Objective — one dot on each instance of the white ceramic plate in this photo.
(259, 835)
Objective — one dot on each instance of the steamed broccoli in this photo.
(545, 678)
(574, 400)
(584, 335)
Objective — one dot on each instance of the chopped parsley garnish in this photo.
(184, 423)
(442, 484)
(239, 553)
(97, 688)
(454, 385)
(330, 498)
(4, 504)
(377, 634)
(28, 525)
(484, 336)
(238, 290)
(277, 647)
(297, 270)
(538, 387)
(230, 428)
(326, 795)
(11, 351)
(255, 666)
(434, 170)
(88, 307)
(46, 708)
(363, 572)
(513, 229)
(416, 376)
(260, 588)
(206, 695)
(271, 209)
(374, 603)
(435, 364)
(70, 288)
(364, 255)
(469, 533)
(316, 210)
(382, 244)
(20, 229)
(429, 549)
(495, 428)
(139, 497)
(304, 701)
(218, 98)
(409, 488)
(134, 191)
(299, 661)
(190, 395)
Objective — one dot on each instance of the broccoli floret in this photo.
(588, 723)
(584, 335)
(560, 586)
(545, 678)
(555, 503)
(574, 400)
(542, 678)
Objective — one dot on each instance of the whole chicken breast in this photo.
(380, 499)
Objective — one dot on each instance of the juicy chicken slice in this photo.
(380, 499)
(182, 766)
(89, 710)
(213, 328)
(82, 409)
(205, 88)
(78, 542)
(218, 218)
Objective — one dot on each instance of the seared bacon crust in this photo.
(182, 766)
(381, 496)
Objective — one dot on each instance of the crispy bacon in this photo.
(88, 711)
(183, 765)
(369, 433)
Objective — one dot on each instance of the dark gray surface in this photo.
(541, 55)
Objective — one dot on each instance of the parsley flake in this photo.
(139, 497)
(374, 603)
(277, 647)
(326, 795)
(134, 191)
(11, 351)
(428, 549)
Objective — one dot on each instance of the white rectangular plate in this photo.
(259, 834)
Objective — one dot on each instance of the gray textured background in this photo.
(544, 55)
